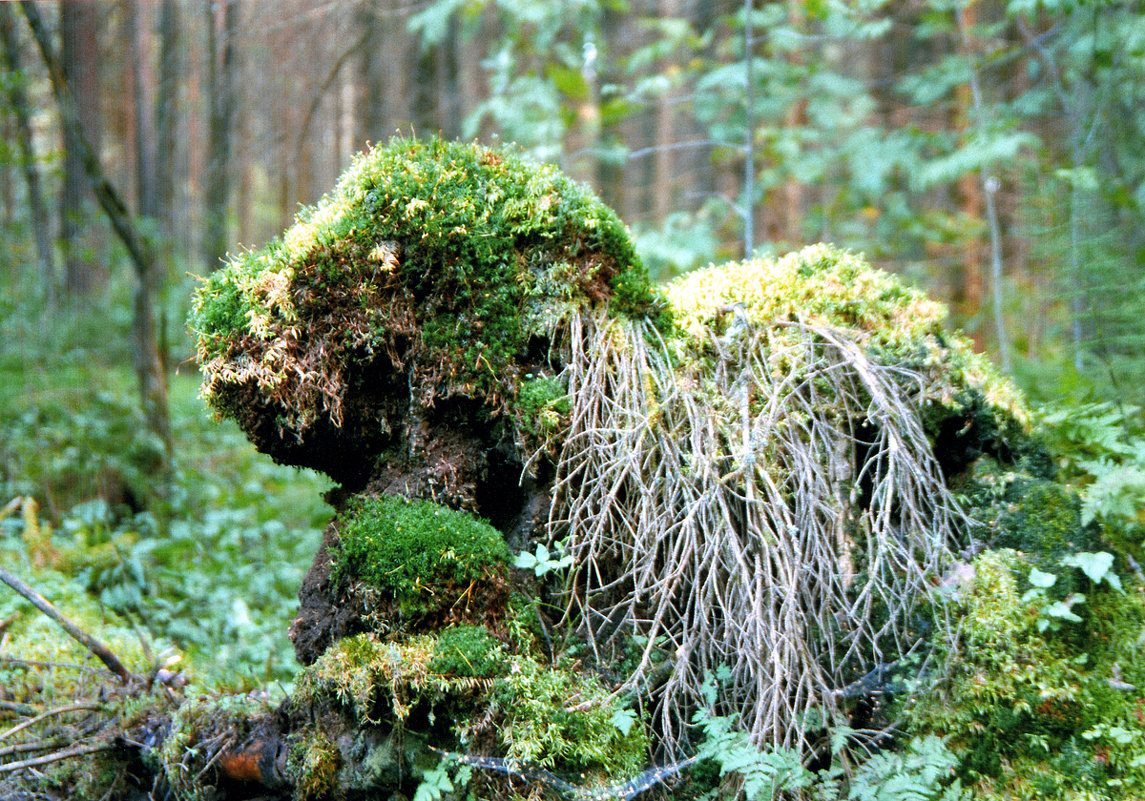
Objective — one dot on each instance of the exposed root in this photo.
(765, 501)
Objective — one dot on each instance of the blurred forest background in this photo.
(991, 152)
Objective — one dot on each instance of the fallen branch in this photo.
(101, 651)
(58, 756)
(24, 748)
(63, 710)
(18, 708)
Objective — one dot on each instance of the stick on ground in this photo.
(79, 635)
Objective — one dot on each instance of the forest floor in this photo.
(209, 565)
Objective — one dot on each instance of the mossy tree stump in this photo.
(756, 460)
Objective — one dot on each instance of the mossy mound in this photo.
(967, 406)
(463, 690)
(432, 271)
(423, 559)
(397, 566)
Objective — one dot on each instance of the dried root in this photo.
(766, 501)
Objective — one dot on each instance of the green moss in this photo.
(313, 764)
(1026, 705)
(450, 258)
(467, 651)
(548, 715)
(542, 403)
(821, 285)
(376, 679)
(1027, 513)
(1042, 517)
(421, 555)
(561, 719)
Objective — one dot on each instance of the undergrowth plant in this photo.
(1040, 699)
(921, 769)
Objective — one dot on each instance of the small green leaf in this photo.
(1096, 566)
(1063, 610)
(623, 720)
(1042, 580)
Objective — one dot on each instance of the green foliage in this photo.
(542, 562)
(212, 567)
(436, 782)
(1043, 680)
(68, 450)
(421, 554)
(1101, 450)
(922, 769)
(558, 718)
(763, 774)
(681, 243)
(467, 651)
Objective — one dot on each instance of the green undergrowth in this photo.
(421, 556)
(211, 567)
(1042, 698)
(468, 691)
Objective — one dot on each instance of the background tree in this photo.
(222, 28)
(148, 365)
(861, 119)
(80, 61)
(17, 97)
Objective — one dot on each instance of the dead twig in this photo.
(58, 756)
(24, 748)
(101, 651)
(83, 706)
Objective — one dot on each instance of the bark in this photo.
(41, 227)
(148, 366)
(166, 110)
(221, 99)
(79, 62)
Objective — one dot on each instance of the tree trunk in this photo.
(964, 17)
(221, 100)
(79, 62)
(138, 34)
(19, 100)
(166, 110)
(148, 366)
